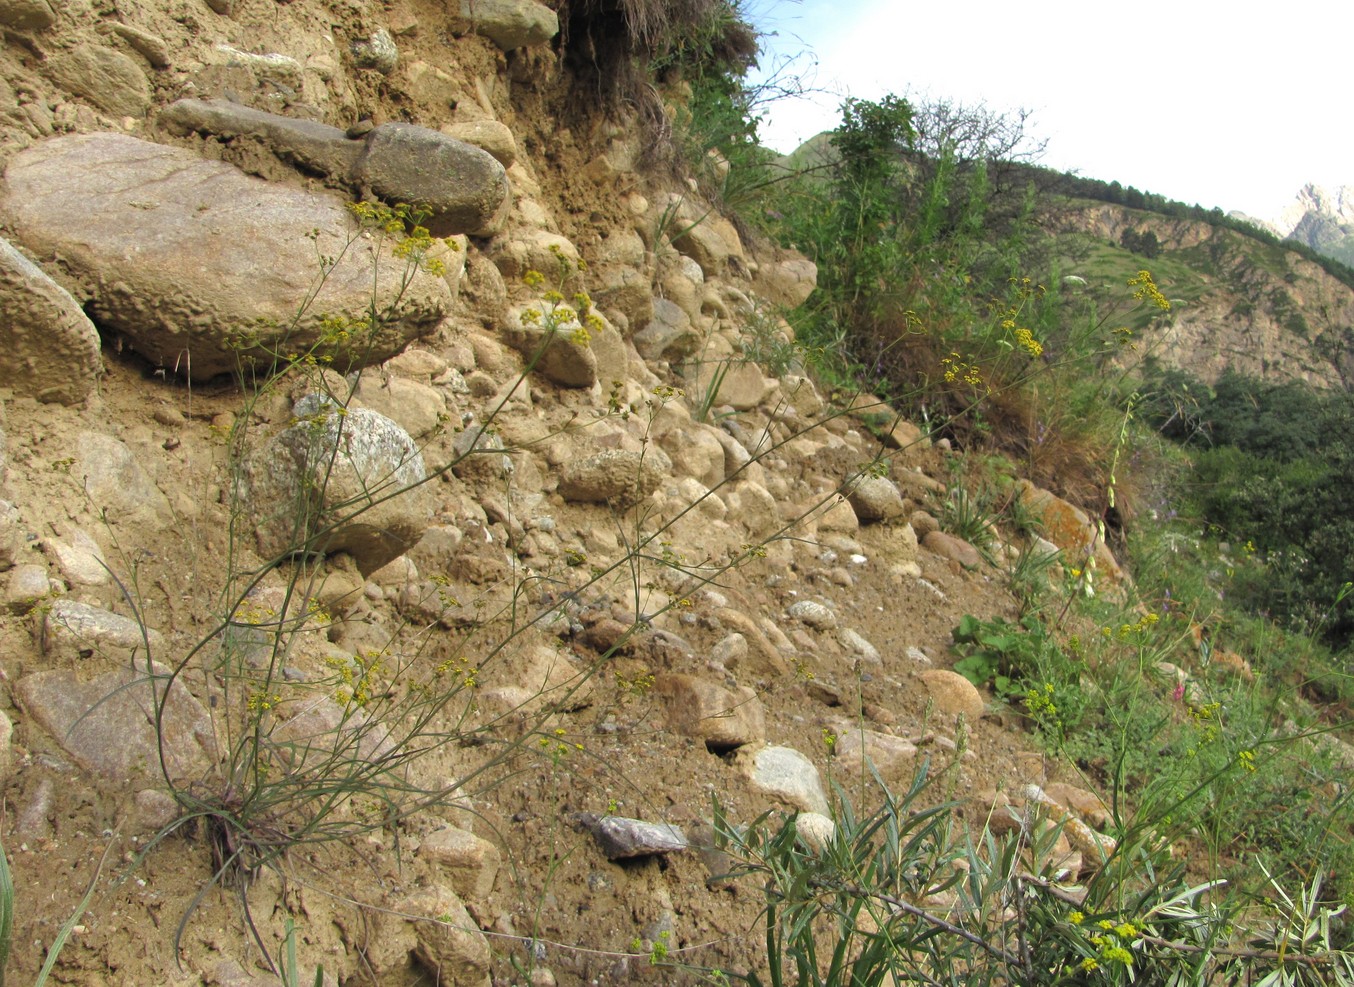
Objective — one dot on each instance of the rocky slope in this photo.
(1237, 302)
(291, 495)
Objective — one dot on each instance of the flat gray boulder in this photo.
(350, 482)
(49, 350)
(201, 268)
(463, 187)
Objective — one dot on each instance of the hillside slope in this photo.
(1237, 302)
(631, 572)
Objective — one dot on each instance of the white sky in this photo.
(1236, 105)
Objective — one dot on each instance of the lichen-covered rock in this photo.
(49, 349)
(338, 482)
(1072, 530)
(377, 52)
(786, 774)
(812, 613)
(616, 476)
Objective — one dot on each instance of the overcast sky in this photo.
(1236, 105)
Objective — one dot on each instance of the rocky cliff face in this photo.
(1237, 302)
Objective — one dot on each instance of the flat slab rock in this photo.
(107, 723)
(200, 267)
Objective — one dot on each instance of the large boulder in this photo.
(166, 248)
(49, 350)
(338, 481)
(1072, 530)
(510, 24)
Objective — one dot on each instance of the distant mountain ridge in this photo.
(1320, 218)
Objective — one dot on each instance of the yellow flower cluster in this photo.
(956, 369)
(1145, 289)
(1026, 341)
(258, 702)
(403, 222)
(460, 668)
(358, 677)
(1139, 628)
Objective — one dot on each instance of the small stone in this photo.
(617, 476)
(149, 46)
(169, 416)
(80, 560)
(815, 829)
(6, 753)
(108, 79)
(947, 546)
(278, 67)
(816, 615)
(27, 15)
(952, 693)
(28, 585)
(624, 839)
(122, 725)
(155, 809)
(876, 498)
(487, 135)
(786, 774)
(859, 748)
(13, 539)
(76, 629)
(511, 24)
(858, 646)
(724, 719)
(448, 941)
